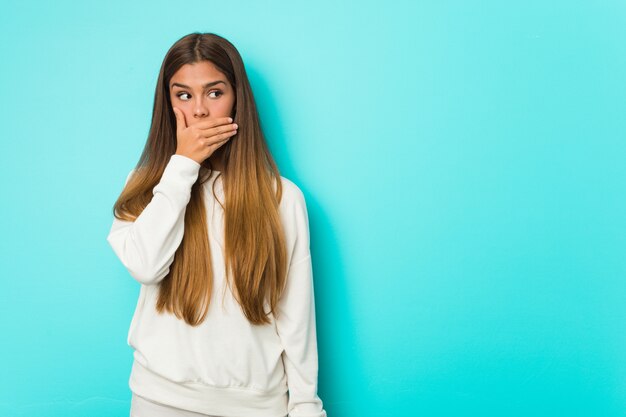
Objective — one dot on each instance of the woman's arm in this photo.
(295, 321)
(147, 245)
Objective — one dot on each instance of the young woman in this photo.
(225, 320)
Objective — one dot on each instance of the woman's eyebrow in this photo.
(205, 86)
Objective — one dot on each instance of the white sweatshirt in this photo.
(225, 366)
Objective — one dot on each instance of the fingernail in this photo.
(230, 119)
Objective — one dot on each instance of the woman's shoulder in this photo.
(292, 194)
(293, 211)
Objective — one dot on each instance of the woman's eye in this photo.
(185, 96)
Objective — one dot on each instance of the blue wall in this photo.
(463, 164)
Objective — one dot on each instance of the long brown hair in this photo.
(255, 252)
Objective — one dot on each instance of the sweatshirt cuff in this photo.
(181, 168)
(184, 161)
(178, 177)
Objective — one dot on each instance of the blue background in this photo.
(463, 165)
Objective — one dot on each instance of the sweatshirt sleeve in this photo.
(295, 322)
(146, 246)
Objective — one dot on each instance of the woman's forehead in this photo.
(197, 75)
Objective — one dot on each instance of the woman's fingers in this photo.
(207, 133)
(211, 123)
(222, 137)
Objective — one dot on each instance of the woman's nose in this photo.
(200, 109)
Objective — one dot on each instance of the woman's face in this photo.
(201, 92)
